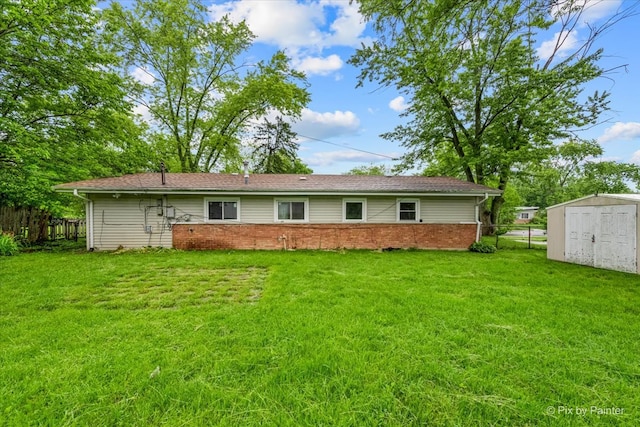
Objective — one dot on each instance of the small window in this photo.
(291, 210)
(408, 210)
(524, 215)
(222, 210)
(354, 210)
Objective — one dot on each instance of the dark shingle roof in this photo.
(280, 183)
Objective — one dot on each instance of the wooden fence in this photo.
(36, 225)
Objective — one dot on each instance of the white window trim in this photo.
(416, 201)
(220, 199)
(291, 199)
(344, 210)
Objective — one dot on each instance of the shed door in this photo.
(616, 238)
(602, 236)
(579, 245)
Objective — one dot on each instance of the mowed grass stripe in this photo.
(353, 338)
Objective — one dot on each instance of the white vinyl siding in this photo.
(381, 209)
(325, 210)
(122, 221)
(447, 210)
(257, 210)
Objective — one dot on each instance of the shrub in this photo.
(8, 245)
(482, 247)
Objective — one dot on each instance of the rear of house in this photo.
(227, 211)
(599, 231)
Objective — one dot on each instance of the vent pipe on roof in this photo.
(162, 172)
(246, 171)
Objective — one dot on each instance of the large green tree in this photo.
(200, 95)
(63, 114)
(275, 149)
(482, 100)
(575, 170)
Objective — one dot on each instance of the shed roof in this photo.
(630, 197)
(276, 183)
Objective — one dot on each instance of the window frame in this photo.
(417, 209)
(223, 200)
(354, 200)
(278, 200)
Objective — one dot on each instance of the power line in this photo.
(350, 148)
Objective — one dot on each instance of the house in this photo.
(524, 214)
(599, 231)
(232, 211)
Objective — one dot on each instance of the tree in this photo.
(275, 149)
(200, 96)
(573, 171)
(372, 169)
(63, 114)
(483, 101)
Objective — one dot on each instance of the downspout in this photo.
(89, 219)
(478, 221)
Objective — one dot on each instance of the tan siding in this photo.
(256, 210)
(121, 222)
(325, 210)
(447, 209)
(555, 234)
(381, 209)
(188, 209)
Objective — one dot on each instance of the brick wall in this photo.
(323, 236)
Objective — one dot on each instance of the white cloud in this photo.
(621, 131)
(285, 23)
(398, 104)
(635, 158)
(326, 125)
(567, 40)
(143, 76)
(327, 158)
(294, 26)
(144, 113)
(593, 10)
(318, 65)
(347, 28)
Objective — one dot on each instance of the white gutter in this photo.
(296, 193)
(478, 221)
(89, 208)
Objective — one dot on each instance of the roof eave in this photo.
(200, 191)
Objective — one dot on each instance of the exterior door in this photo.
(616, 238)
(579, 239)
(602, 236)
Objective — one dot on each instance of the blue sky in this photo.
(321, 35)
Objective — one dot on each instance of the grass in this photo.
(315, 338)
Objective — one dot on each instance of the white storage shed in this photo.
(599, 231)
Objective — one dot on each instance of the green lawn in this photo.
(316, 338)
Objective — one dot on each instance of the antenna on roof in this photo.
(162, 172)
(246, 171)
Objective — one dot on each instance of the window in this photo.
(408, 210)
(292, 210)
(354, 210)
(222, 210)
(524, 215)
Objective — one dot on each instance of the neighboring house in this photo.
(599, 231)
(232, 211)
(524, 214)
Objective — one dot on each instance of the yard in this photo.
(316, 338)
